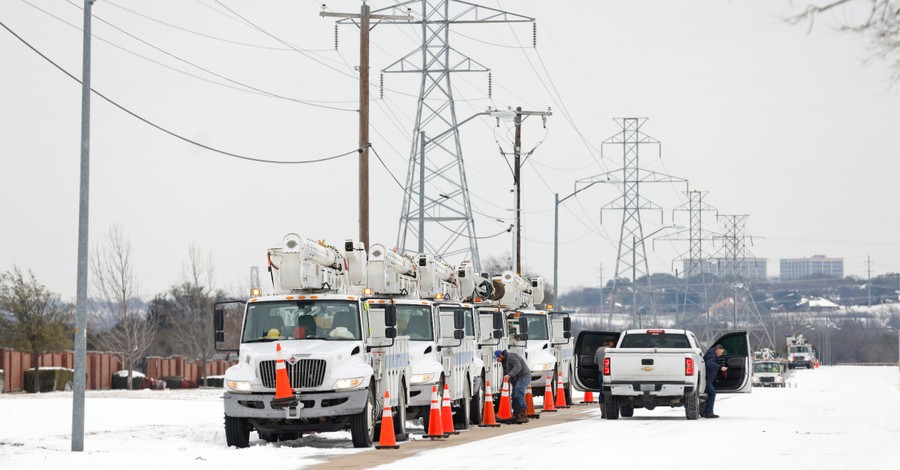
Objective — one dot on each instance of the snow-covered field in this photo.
(834, 418)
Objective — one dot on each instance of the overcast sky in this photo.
(792, 128)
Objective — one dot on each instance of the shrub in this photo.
(218, 381)
(2, 380)
(173, 381)
(137, 383)
(50, 379)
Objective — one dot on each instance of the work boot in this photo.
(603, 410)
(521, 417)
(711, 415)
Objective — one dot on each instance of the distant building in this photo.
(747, 268)
(799, 268)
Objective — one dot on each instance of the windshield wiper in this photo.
(261, 340)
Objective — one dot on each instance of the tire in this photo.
(237, 432)
(477, 407)
(612, 406)
(400, 416)
(461, 417)
(626, 411)
(568, 389)
(362, 424)
(692, 406)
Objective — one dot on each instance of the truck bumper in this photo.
(420, 395)
(539, 380)
(634, 389)
(314, 404)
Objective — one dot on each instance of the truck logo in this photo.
(646, 368)
(293, 360)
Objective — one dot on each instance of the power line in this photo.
(171, 133)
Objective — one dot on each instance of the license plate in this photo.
(648, 387)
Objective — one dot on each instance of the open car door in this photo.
(738, 359)
(587, 374)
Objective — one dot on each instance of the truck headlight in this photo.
(779, 379)
(341, 384)
(422, 378)
(543, 366)
(239, 386)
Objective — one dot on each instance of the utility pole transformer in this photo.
(445, 207)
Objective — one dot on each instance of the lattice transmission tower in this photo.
(631, 260)
(436, 215)
(735, 308)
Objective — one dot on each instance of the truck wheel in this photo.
(627, 411)
(692, 406)
(400, 417)
(612, 406)
(461, 417)
(237, 432)
(362, 424)
(477, 407)
(568, 388)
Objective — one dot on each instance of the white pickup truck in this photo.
(658, 367)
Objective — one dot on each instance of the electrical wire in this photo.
(171, 133)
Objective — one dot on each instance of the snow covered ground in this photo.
(835, 418)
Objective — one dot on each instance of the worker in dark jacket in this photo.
(711, 359)
(516, 370)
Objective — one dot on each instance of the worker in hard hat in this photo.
(274, 333)
(519, 375)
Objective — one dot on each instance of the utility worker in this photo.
(519, 375)
(712, 371)
(598, 359)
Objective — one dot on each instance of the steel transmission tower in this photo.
(735, 308)
(696, 265)
(632, 254)
(436, 192)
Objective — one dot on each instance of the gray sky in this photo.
(791, 128)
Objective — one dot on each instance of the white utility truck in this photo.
(341, 349)
(543, 338)
(800, 352)
(659, 367)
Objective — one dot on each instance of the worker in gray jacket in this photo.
(516, 370)
(598, 359)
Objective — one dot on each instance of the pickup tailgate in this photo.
(647, 365)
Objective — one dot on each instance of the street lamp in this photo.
(634, 242)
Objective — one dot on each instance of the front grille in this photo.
(305, 373)
(767, 379)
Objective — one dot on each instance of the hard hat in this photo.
(274, 333)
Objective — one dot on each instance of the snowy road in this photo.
(835, 418)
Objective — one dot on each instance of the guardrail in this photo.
(867, 364)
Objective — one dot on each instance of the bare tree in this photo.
(131, 331)
(37, 320)
(879, 24)
(192, 300)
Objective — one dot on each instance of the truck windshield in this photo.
(767, 367)
(334, 320)
(644, 340)
(537, 327)
(799, 349)
(415, 321)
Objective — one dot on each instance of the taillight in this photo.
(688, 366)
(605, 366)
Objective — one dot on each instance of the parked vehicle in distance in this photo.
(659, 367)
(768, 374)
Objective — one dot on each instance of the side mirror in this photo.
(523, 324)
(459, 334)
(567, 325)
(459, 320)
(390, 332)
(220, 336)
(498, 334)
(390, 317)
(218, 321)
(498, 321)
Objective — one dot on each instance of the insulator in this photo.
(534, 35)
(335, 37)
(490, 85)
(381, 86)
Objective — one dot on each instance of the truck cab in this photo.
(341, 349)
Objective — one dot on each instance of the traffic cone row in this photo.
(560, 392)
(588, 398)
(548, 397)
(435, 428)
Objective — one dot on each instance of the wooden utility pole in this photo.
(517, 179)
(364, 17)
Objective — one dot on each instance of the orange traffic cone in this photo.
(505, 404)
(387, 440)
(529, 404)
(588, 398)
(560, 393)
(447, 413)
(284, 395)
(435, 429)
(488, 420)
(548, 396)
